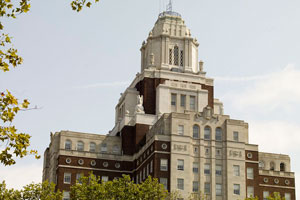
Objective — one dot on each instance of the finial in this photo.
(201, 63)
(170, 6)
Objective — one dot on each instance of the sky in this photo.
(77, 64)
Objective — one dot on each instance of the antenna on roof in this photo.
(170, 6)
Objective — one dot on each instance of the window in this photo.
(236, 170)
(287, 196)
(92, 147)
(180, 164)
(236, 189)
(266, 195)
(116, 149)
(195, 186)
(104, 179)
(206, 188)
(176, 55)
(236, 136)
(272, 166)
(147, 170)
(144, 173)
(137, 178)
(218, 134)
(68, 145)
(196, 131)
(218, 189)
(164, 181)
(261, 164)
(141, 174)
(182, 100)
(218, 170)
(173, 99)
(78, 176)
(207, 151)
(249, 173)
(180, 129)
(80, 146)
(192, 103)
(151, 166)
(282, 167)
(67, 178)
(195, 167)
(181, 58)
(180, 184)
(66, 195)
(207, 169)
(207, 132)
(103, 148)
(163, 164)
(170, 56)
(218, 152)
(250, 191)
(196, 150)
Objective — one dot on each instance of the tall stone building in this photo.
(169, 125)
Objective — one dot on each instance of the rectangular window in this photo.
(236, 189)
(182, 100)
(249, 173)
(144, 173)
(266, 195)
(206, 188)
(180, 130)
(170, 56)
(151, 166)
(192, 103)
(236, 170)
(236, 136)
(104, 179)
(173, 99)
(78, 176)
(141, 176)
(181, 58)
(207, 151)
(218, 189)
(67, 178)
(219, 170)
(103, 147)
(148, 169)
(180, 164)
(287, 196)
(164, 181)
(218, 152)
(180, 184)
(195, 186)
(196, 150)
(66, 196)
(137, 178)
(195, 167)
(250, 191)
(163, 164)
(207, 169)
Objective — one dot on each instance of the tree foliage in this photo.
(274, 196)
(41, 191)
(12, 143)
(118, 189)
(77, 5)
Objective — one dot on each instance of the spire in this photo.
(170, 6)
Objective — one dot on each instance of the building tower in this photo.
(169, 125)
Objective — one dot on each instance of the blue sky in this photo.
(77, 64)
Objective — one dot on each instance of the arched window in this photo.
(92, 147)
(218, 134)
(272, 166)
(176, 56)
(207, 133)
(68, 145)
(282, 167)
(80, 146)
(196, 131)
(170, 56)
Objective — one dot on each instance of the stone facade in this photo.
(169, 125)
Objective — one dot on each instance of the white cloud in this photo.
(108, 84)
(20, 175)
(279, 89)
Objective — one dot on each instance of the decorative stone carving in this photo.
(201, 63)
(179, 147)
(207, 112)
(233, 153)
(152, 59)
(139, 107)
